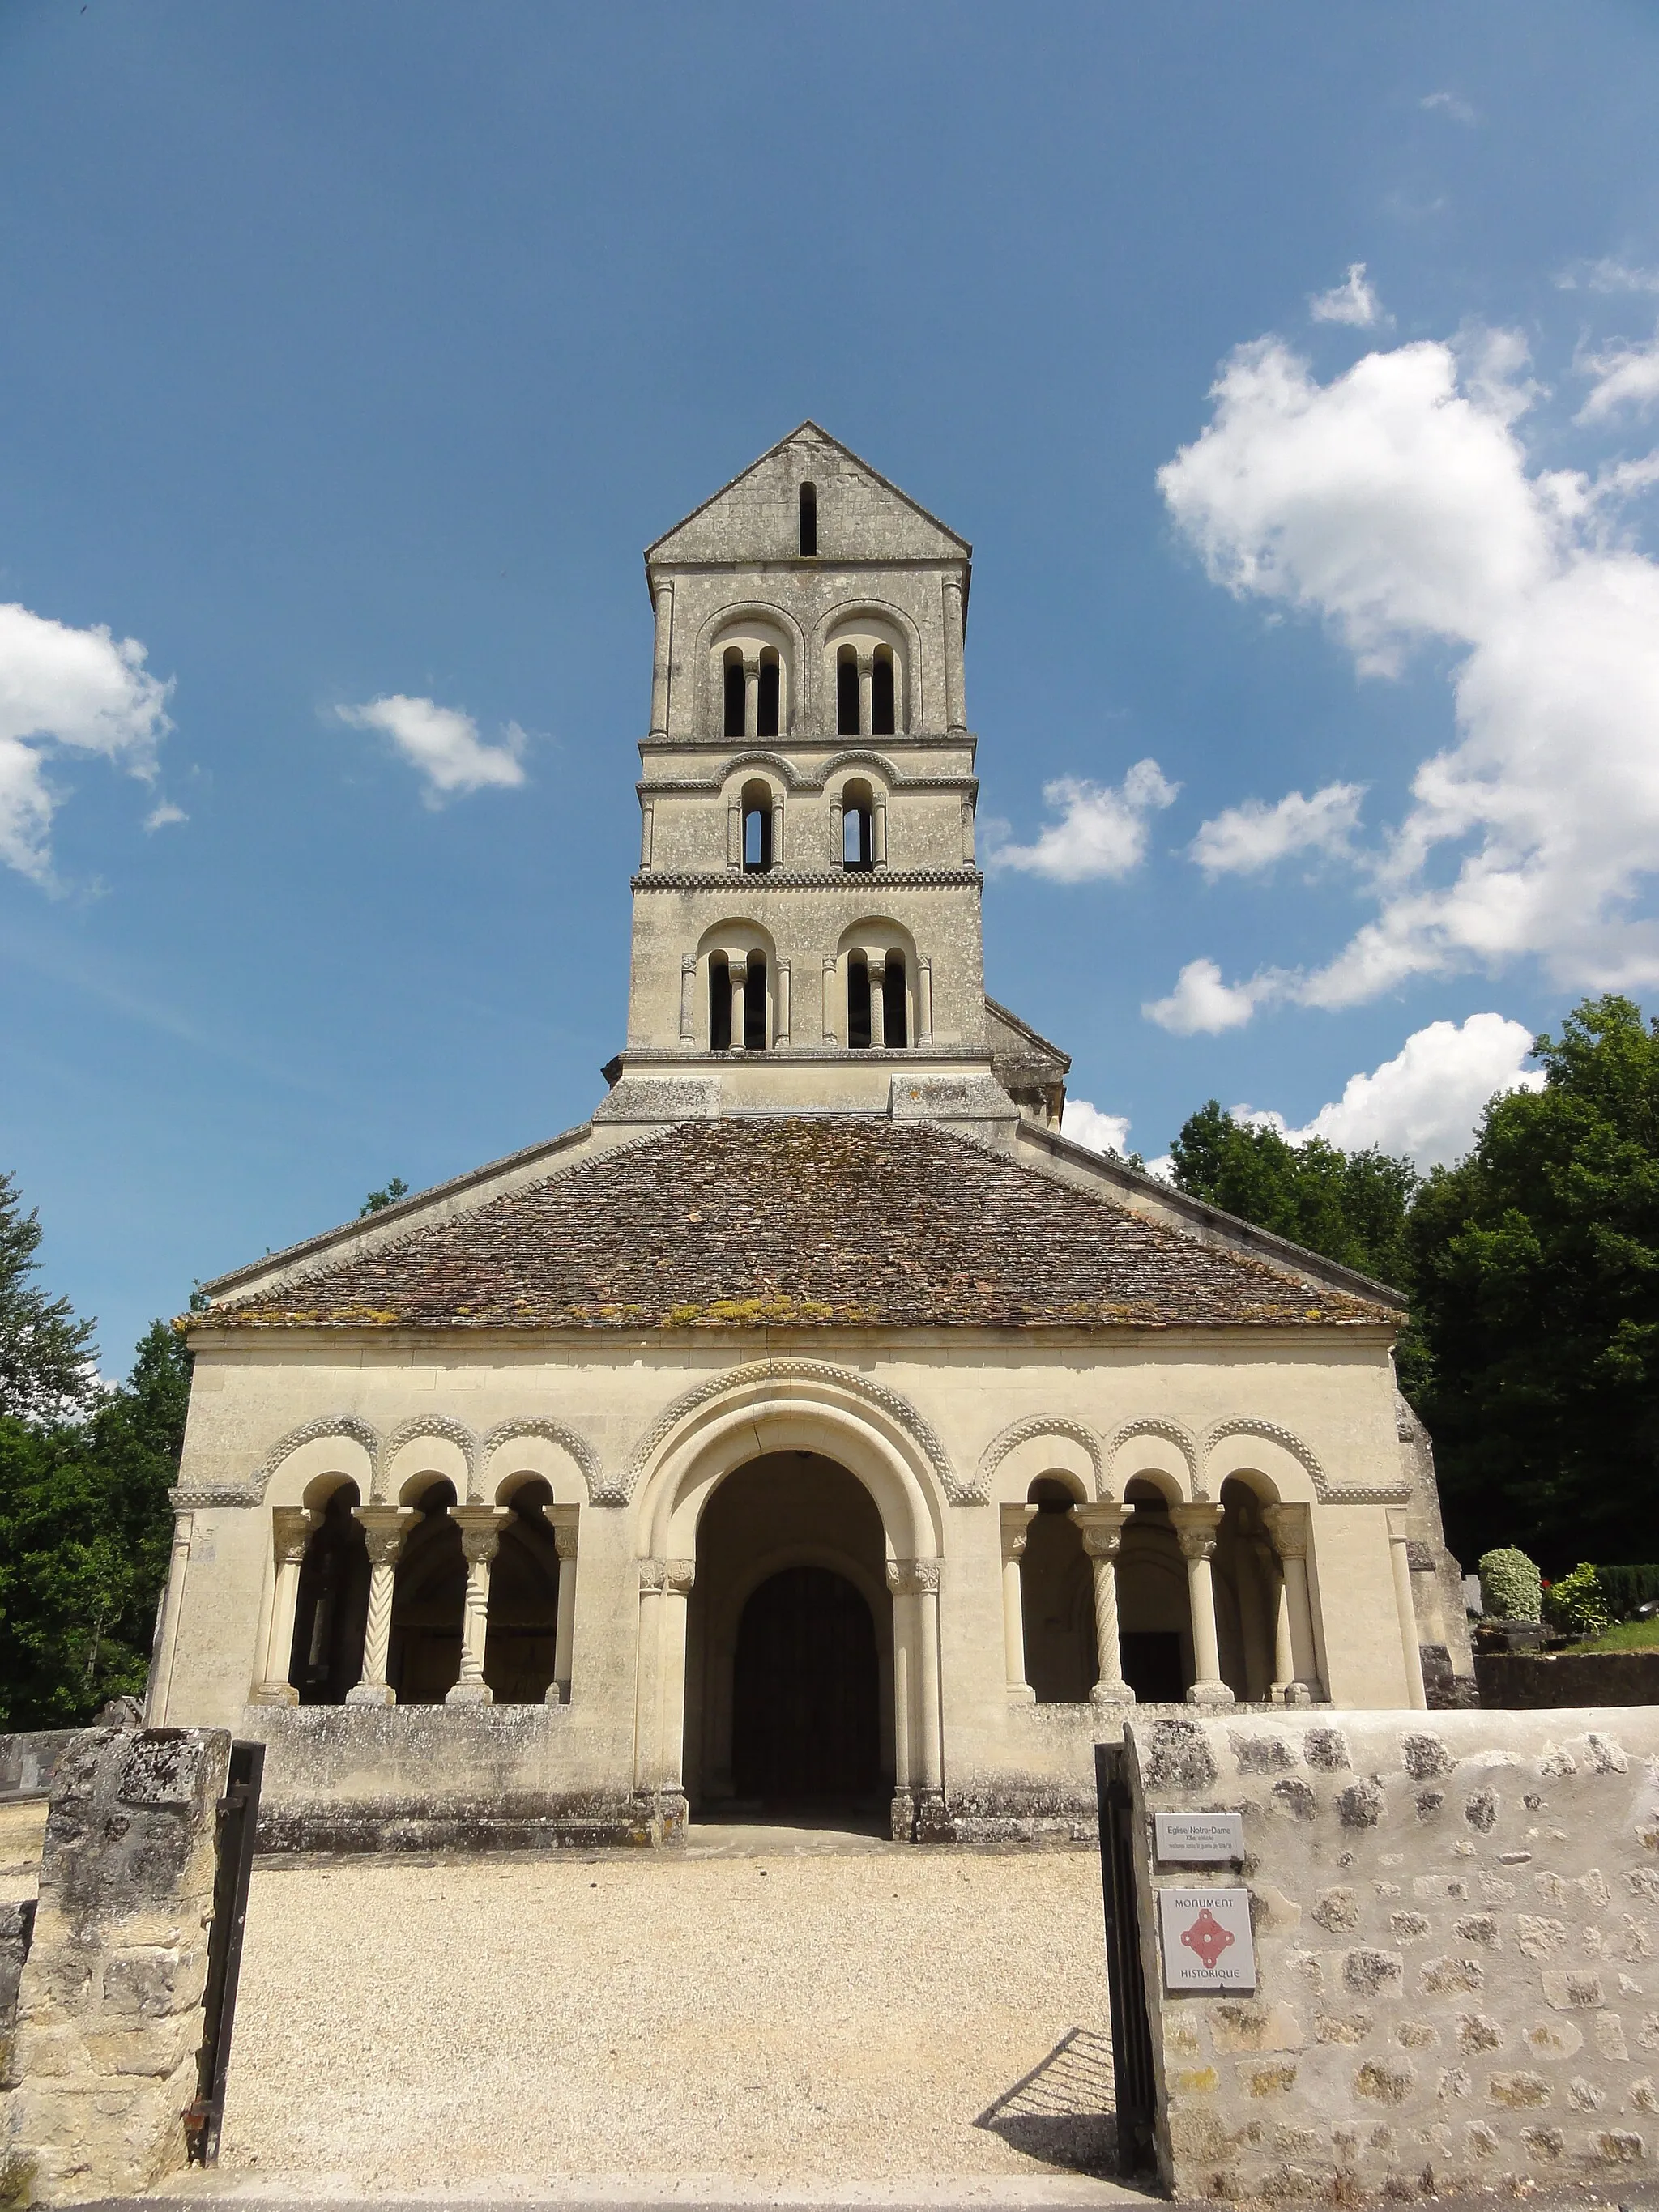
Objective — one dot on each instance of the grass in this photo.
(1626, 1636)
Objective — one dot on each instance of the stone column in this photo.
(678, 1575)
(777, 831)
(688, 998)
(1195, 1527)
(661, 661)
(782, 1036)
(751, 695)
(1016, 1520)
(1101, 1527)
(866, 717)
(167, 1627)
(904, 1801)
(878, 830)
(1295, 1669)
(739, 970)
(955, 718)
(291, 1527)
(837, 836)
(481, 1532)
(384, 1527)
(645, 836)
(875, 967)
(967, 833)
(917, 1582)
(564, 1633)
(1399, 1559)
(831, 992)
(924, 1002)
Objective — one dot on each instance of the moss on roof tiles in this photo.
(736, 1224)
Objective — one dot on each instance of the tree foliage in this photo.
(46, 1355)
(85, 1525)
(1535, 1263)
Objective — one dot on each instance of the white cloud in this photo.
(159, 818)
(1101, 830)
(66, 690)
(1086, 1125)
(1427, 1100)
(1353, 301)
(1201, 1002)
(1626, 376)
(443, 744)
(1608, 275)
(1448, 104)
(1397, 503)
(1241, 840)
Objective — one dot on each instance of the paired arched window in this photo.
(751, 675)
(737, 1002)
(869, 676)
(878, 1007)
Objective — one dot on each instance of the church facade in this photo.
(815, 1426)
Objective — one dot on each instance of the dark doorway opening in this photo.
(1152, 1666)
(805, 1694)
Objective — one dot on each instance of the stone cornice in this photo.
(807, 880)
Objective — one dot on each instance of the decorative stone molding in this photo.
(802, 781)
(734, 1379)
(1172, 1434)
(1195, 1528)
(1101, 1527)
(552, 1433)
(808, 880)
(1287, 1528)
(428, 1425)
(1023, 1432)
(564, 1539)
(1327, 1491)
(310, 1432)
(210, 1493)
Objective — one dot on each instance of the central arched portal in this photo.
(789, 1679)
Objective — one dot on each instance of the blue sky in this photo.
(351, 352)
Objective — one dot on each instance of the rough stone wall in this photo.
(1513, 1680)
(1456, 1927)
(109, 2016)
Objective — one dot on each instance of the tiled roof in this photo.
(738, 1223)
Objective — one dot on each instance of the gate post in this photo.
(1131, 2032)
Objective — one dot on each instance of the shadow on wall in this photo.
(1063, 2112)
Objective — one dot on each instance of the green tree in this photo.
(85, 1531)
(1535, 1263)
(46, 1355)
(378, 1200)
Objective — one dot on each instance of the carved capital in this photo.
(673, 1577)
(1195, 1528)
(1101, 1527)
(910, 1578)
(481, 1531)
(1015, 1525)
(290, 1532)
(564, 1539)
(384, 1527)
(1287, 1525)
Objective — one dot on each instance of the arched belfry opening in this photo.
(1057, 1599)
(427, 1602)
(789, 1657)
(1154, 1611)
(327, 1657)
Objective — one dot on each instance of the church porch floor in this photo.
(770, 2014)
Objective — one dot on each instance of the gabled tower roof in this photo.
(753, 518)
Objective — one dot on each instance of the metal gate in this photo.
(239, 1822)
(1131, 2032)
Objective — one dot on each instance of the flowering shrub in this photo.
(1511, 1586)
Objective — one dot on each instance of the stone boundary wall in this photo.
(1513, 1682)
(431, 1777)
(109, 2012)
(1456, 1927)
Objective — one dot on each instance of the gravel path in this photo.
(853, 2017)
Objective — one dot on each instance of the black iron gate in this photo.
(239, 1822)
(1131, 2032)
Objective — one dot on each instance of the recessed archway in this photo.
(789, 1695)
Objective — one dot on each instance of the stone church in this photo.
(817, 1426)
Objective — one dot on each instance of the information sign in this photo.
(1201, 1839)
(1207, 1939)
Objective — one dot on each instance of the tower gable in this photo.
(860, 515)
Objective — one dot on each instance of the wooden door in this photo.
(805, 1719)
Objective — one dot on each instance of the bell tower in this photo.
(806, 910)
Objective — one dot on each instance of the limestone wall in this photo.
(109, 2011)
(1456, 1933)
